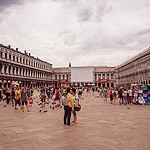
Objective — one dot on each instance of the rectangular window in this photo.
(103, 76)
(55, 77)
(107, 76)
(59, 77)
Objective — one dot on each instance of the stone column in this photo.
(7, 68)
(11, 70)
(14, 70)
(3, 67)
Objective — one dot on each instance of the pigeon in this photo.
(40, 110)
(45, 111)
(53, 108)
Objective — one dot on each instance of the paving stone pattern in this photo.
(101, 126)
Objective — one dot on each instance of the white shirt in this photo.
(130, 92)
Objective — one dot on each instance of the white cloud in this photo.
(83, 32)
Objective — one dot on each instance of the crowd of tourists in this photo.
(131, 95)
(69, 97)
(61, 96)
(17, 96)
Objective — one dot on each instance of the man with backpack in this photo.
(68, 106)
(42, 96)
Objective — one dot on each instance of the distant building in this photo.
(102, 76)
(29, 71)
(22, 67)
(134, 71)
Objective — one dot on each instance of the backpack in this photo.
(43, 96)
(64, 100)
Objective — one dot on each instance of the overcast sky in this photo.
(83, 32)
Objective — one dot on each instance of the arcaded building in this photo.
(28, 71)
(101, 76)
(23, 68)
(134, 71)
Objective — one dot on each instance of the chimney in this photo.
(9, 46)
(16, 49)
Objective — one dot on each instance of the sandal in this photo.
(70, 124)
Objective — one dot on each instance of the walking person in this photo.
(115, 93)
(24, 99)
(125, 96)
(69, 107)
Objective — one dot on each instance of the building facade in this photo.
(23, 68)
(134, 71)
(103, 76)
(29, 71)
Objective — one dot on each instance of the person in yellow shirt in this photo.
(69, 107)
(17, 98)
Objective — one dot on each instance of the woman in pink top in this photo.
(57, 97)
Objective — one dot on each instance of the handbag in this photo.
(78, 108)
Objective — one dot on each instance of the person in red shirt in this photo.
(111, 95)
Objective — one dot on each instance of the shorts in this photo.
(74, 112)
(17, 102)
(24, 102)
(43, 100)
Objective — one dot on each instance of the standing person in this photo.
(24, 99)
(13, 96)
(48, 93)
(93, 90)
(111, 95)
(120, 96)
(115, 93)
(28, 93)
(76, 102)
(105, 92)
(42, 96)
(17, 97)
(130, 95)
(125, 96)
(57, 97)
(8, 94)
(69, 107)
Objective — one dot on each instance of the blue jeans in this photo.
(125, 99)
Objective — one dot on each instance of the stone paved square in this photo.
(101, 126)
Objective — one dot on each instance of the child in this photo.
(30, 101)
